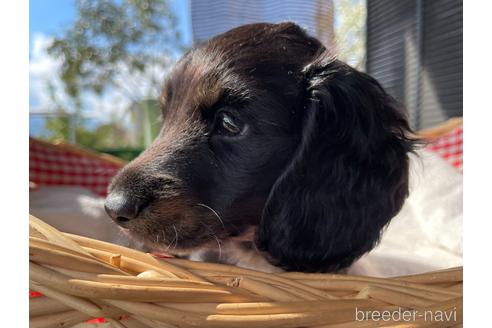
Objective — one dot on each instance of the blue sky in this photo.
(50, 17)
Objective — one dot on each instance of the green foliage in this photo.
(110, 33)
(58, 126)
(146, 116)
(111, 44)
(126, 153)
(103, 136)
(350, 31)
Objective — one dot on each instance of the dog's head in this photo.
(262, 127)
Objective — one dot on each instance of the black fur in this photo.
(320, 169)
(347, 179)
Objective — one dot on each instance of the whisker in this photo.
(218, 244)
(171, 243)
(176, 231)
(212, 235)
(213, 211)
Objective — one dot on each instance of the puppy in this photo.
(272, 154)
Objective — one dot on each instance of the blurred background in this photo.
(96, 67)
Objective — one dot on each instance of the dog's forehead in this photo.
(241, 63)
(199, 81)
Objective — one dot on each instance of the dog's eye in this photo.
(229, 125)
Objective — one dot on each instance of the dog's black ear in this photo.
(347, 179)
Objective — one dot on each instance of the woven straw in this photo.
(441, 130)
(82, 278)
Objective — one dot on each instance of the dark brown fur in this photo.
(320, 168)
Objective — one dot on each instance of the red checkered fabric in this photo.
(450, 147)
(61, 167)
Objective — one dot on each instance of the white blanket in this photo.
(427, 234)
(75, 210)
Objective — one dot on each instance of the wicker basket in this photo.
(82, 278)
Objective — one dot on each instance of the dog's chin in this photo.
(184, 248)
(180, 252)
(177, 247)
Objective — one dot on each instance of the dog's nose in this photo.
(122, 208)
